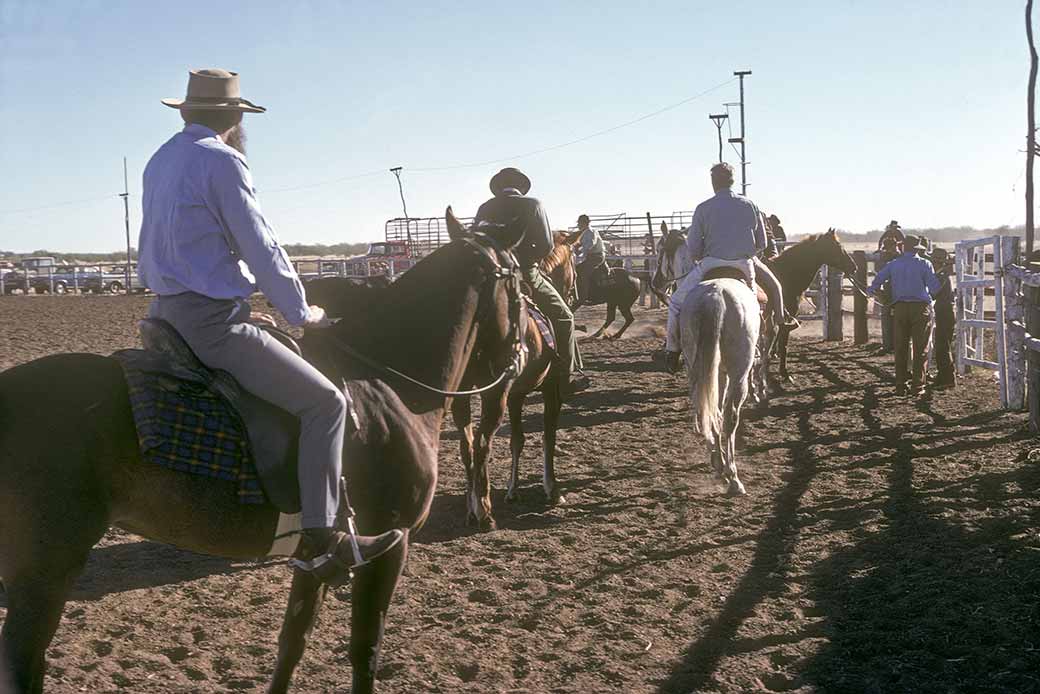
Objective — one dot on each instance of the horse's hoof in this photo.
(487, 525)
(736, 488)
(555, 499)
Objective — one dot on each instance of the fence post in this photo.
(1014, 332)
(881, 259)
(835, 324)
(821, 301)
(3, 292)
(1032, 307)
(960, 333)
(859, 302)
(651, 266)
(50, 278)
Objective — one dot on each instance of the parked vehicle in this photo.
(389, 258)
(111, 279)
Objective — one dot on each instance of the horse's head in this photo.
(833, 253)
(500, 335)
(673, 258)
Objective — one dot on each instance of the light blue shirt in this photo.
(590, 244)
(726, 226)
(203, 230)
(911, 278)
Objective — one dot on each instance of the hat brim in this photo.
(240, 105)
(510, 179)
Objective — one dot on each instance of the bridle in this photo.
(489, 250)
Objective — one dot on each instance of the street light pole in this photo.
(396, 171)
(718, 119)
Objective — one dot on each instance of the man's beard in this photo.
(236, 138)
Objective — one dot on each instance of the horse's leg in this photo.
(372, 588)
(611, 315)
(626, 311)
(515, 402)
(493, 407)
(730, 422)
(551, 419)
(781, 349)
(462, 415)
(305, 598)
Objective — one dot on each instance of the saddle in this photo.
(199, 420)
(733, 273)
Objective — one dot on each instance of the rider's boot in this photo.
(330, 554)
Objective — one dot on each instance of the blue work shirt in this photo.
(911, 277)
(203, 231)
(726, 226)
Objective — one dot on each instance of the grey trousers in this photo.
(221, 336)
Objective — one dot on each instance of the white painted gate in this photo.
(980, 272)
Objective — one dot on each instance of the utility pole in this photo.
(396, 171)
(741, 74)
(126, 218)
(718, 119)
(1031, 130)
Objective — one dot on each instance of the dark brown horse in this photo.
(58, 499)
(796, 267)
(539, 375)
(618, 289)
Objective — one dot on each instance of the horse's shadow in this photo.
(134, 565)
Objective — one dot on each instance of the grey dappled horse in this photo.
(719, 326)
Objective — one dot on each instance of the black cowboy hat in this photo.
(510, 177)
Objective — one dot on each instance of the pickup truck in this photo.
(110, 278)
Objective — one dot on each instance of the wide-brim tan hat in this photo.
(213, 89)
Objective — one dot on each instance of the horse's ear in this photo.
(833, 233)
(664, 227)
(455, 228)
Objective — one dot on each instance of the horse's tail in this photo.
(703, 357)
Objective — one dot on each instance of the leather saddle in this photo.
(272, 434)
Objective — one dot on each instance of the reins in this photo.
(516, 365)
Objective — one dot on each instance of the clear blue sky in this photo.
(858, 111)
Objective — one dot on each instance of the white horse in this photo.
(673, 264)
(719, 326)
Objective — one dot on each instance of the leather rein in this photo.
(510, 273)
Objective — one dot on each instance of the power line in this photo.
(580, 139)
(66, 203)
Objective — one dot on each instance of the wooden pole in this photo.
(126, 217)
(1032, 295)
(860, 334)
(1031, 130)
(835, 324)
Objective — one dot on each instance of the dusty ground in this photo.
(884, 546)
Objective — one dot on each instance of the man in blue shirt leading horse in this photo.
(913, 284)
(205, 247)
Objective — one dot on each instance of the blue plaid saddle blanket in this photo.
(544, 326)
(187, 427)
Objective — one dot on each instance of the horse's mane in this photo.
(559, 255)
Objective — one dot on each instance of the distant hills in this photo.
(933, 234)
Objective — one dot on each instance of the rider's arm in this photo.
(931, 280)
(760, 231)
(695, 236)
(234, 201)
(881, 277)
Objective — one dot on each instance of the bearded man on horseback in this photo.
(205, 247)
(590, 255)
(727, 231)
(511, 202)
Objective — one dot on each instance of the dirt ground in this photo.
(884, 546)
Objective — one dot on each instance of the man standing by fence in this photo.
(913, 283)
(944, 320)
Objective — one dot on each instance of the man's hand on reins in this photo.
(316, 318)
